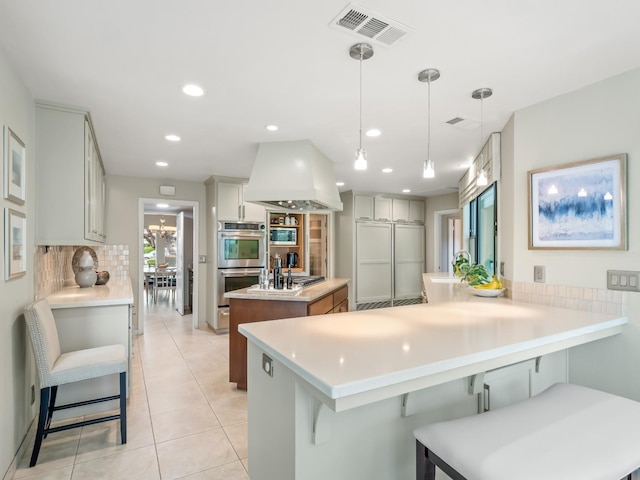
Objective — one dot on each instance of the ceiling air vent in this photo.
(365, 24)
(463, 123)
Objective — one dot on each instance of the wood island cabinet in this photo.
(250, 310)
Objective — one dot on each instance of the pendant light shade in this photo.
(481, 94)
(429, 75)
(360, 52)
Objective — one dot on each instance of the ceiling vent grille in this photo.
(365, 24)
(463, 123)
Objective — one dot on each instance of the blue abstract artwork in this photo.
(579, 206)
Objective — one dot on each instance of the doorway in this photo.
(447, 238)
(149, 206)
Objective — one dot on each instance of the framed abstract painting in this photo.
(580, 205)
(14, 167)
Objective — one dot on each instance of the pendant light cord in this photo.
(361, 54)
(429, 118)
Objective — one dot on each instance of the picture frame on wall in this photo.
(581, 205)
(15, 248)
(15, 172)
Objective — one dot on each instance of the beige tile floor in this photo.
(185, 420)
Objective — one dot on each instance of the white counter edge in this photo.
(345, 396)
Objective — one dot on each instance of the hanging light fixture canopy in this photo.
(429, 75)
(481, 94)
(360, 52)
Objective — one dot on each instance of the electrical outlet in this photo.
(626, 280)
(538, 273)
(267, 364)
(202, 259)
(502, 268)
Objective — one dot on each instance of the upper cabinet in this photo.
(408, 210)
(231, 205)
(372, 208)
(69, 178)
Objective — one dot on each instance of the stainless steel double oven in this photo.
(241, 256)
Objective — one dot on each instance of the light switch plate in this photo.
(202, 259)
(625, 280)
(538, 273)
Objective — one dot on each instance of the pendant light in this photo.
(481, 94)
(360, 52)
(429, 75)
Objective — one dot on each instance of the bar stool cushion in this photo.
(567, 431)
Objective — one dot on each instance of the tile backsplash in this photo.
(53, 265)
(597, 300)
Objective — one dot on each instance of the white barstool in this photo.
(565, 432)
(56, 368)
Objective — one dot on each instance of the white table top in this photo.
(354, 358)
(117, 291)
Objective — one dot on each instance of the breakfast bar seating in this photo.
(565, 432)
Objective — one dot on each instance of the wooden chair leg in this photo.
(123, 407)
(45, 394)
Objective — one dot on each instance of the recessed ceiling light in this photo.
(373, 132)
(271, 128)
(162, 205)
(172, 138)
(339, 184)
(406, 190)
(162, 164)
(387, 170)
(193, 90)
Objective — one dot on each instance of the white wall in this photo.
(122, 195)
(593, 122)
(433, 205)
(17, 111)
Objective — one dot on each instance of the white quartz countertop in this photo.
(354, 358)
(306, 294)
(117, 291)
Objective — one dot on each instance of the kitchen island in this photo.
(93, 317)
(338, 397)
(249, 305)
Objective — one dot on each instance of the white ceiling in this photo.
(278, 61)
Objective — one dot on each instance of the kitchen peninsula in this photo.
(343, 394)
(248, 305)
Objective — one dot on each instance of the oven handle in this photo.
(241, 235)
(239, 272)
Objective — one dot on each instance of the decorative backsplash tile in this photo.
(579, 298)
(54, 271)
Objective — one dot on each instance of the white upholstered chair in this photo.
(565, 432)
(56, 368)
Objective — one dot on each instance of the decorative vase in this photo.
(103, 278)
(86, 275)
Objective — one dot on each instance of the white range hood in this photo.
(293, 175)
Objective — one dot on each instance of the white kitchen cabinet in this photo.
(416, 211)
(373, 262)
(406, 210)
(372, 208)
(382, 209)
(231, 205)
(513, 383)
(408, 261)
(69, 178)
(362, 207)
